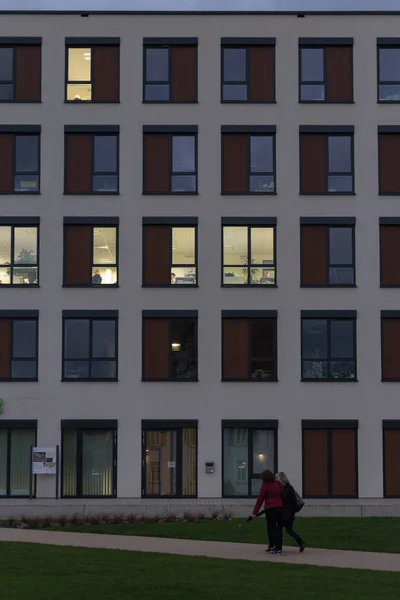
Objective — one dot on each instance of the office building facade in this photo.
(199, 256)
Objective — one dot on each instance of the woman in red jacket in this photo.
(272, 494)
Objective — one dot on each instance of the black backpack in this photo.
(298, 502)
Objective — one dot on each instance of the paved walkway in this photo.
(312, 556)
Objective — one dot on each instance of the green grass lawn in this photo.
(367, 534)
(36, 572)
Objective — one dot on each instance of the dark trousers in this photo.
(288, 525)
(274, 527)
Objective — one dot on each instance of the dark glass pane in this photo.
(388, 93)
(183, 183)
(236, 459)
(389, 64)
(6, 64)
(262, 338)
(157, 64)
(97, 463)
(312, 64)
(312, 93)
(183, 368)
(26, 153)
(104, 369)
(341, 275)
(263, 370)
(26, 183)
(157, 93)
(184, 349)
(6, 91)
(24, 339)
(76, 369)
(103, 339)
(23, 369)
(234, 64)
(234, 92)
(105, 183)
(315, 369)
(344, 369)
(183, 154)
(105, 153)
(339, 147)
(20, 461)
(341, 245)
(342, 339)
(261, 154)
(262, 184)
(340, 183)
(76, 338)
(314, 338)
(69, 452)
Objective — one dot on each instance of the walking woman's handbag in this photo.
(298, 502)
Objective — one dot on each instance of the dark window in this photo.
(389, 163)
(169, 349)
(19, 261)
(170, 73)
(389, 74)
(169, 461)
(330, 463)
(90, 255)
(170, 164)
(91, 164)
(169, 255)
(326, 164)
(92, 74)
(247, 452)
(390, 331)
(248, 74)
(248, 255)
(89, 459)
(328, 349)
(390, 255)
(90, 349)
(391, 453)
(18, 349)
(248, 163)
(327, 255)
(20, 170)
(20, 77)
(249, 349)
(15, 462)
(326, 74)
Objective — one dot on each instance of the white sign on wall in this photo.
(44, 461)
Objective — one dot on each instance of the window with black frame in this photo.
(247, 452)
(18, 345)
(15, 458)
(340, 164)
(234, 69)
(248, 255)
(341, 256)
(183, 171)
(6, 74)
(389, 74)
(105, 163)
(312, 75)
(19, 262)
(328, 349)
(89, 348)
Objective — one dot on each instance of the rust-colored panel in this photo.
(390, 348)
(389, 163)
(156, 254)
(6, 162)
(105, 73)
(28, 73)
(156, 158)
(314, 269)
(391, 440)
(78, 163)
(315, 462)
(156, 350)
(184, 73)
(390, 254)
(235, 159)
(339, 73)
(77, 254)
(312, 163)
(5, 348)
(344, 462)
(261, 73)
(235, 349)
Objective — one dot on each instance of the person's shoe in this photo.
(270, 550)
(277, 552)
(302, 547)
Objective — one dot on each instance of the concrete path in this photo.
(255, 552)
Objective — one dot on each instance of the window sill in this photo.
(82, 380)
(170, 380)
(389, 193)
(329, 380)
(247, 286)
(388, 101)
(90, 497)
(19, 285)
(91, 193)
(389, 285)
(328, 285)
(250, 380)
(170, 193)
(169, 285)
(241, 496)
(326, 102)
(79, 102)
(20, 101)
(275, 193)
(21, 380)
(159, 497)
(392, 380)
(248, 101)
(327, 194)
(91, 286)
(169, 101)
(23, 496)
(12, 193)
(330, 497)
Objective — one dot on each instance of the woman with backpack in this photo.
(290, 508)
(272, 494)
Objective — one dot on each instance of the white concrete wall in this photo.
(209, 401)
